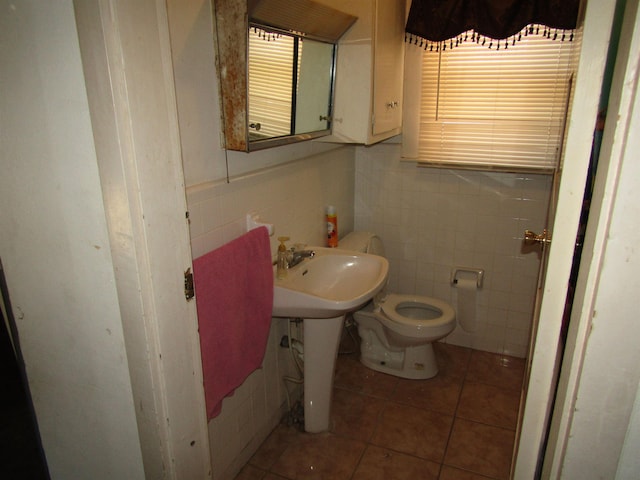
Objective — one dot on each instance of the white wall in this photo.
(433, 220)
(55, 249)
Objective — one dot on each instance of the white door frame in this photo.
(598, 17)
(618, 142)
(126, 57)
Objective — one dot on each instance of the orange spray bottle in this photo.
(332, 227)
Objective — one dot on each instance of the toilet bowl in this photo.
(397, 331)
(397, 335)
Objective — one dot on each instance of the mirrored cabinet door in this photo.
(315, 87)
(290, 84)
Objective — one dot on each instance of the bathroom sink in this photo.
(329, 284)
(321, 290)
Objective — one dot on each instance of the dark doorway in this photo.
(21, 454)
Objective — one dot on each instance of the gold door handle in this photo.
(531, 237)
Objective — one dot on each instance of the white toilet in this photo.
(396, 330)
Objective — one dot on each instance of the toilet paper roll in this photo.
(467, 289)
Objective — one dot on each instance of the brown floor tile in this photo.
(355, 415)
(489, 405)
(481, 449)
(450, 473)
(452, 360)
(382, 464)
(274, 446)
(495, 369)
(437, 394)
(349, 340)
(418, 432)
(458, 425)
(320, 456)
(353, 375)
(251, 473)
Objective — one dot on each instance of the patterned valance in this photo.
(440, 20)
(490, 43)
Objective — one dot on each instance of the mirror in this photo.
(286, 49)
(290, 87)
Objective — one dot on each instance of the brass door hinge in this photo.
(189, 291)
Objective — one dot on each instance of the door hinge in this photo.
(189, 292)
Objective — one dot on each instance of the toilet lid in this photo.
(417, 311)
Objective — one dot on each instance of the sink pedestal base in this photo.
(321, 341)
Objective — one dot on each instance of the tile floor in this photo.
(459, 425)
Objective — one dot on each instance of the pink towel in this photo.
(234, 298)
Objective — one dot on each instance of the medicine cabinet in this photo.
(369, 83)
(276, 63)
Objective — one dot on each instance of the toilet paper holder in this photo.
(478, 272)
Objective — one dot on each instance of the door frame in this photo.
(616, 145)
(596, 20)
(127, 64)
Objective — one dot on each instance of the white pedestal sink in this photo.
(321, 290)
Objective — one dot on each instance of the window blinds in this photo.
(502, 109)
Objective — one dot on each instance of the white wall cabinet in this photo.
(370, 65)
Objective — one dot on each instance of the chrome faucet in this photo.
(297, 256)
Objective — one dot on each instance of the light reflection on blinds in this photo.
(501, 109)
(270, 83)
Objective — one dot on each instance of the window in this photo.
(482, 108)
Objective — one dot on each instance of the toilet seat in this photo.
(422, 313)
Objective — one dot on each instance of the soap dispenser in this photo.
(282, 263)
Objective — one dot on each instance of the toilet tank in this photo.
(365, 242)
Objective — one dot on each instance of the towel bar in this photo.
(253, 221)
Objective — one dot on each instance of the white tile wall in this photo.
(432, 220)
(293, 197)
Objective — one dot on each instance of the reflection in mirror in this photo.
(290, 85)
(313, 107)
